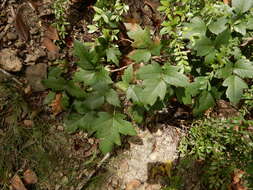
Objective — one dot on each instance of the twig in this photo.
(11, 76)
(124, 39)
(119, 69)
(247, 42)
(94, 171)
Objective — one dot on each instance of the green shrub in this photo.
(219, 147)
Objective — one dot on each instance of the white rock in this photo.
(9, 61)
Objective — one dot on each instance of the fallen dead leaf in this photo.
(237, 180)
(237, 176)
(21, 27)
(17, 183)
(133, 185)
(51, 33)
(49, 44)
(30, 177)
(56, 105)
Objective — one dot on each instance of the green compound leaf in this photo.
(197, 27)
(134, 93)
(94, 101)
(108, 128)
(127, 77)
(152, 71)
(173, 77)
(225, 72)
(84, 122)
(204, 101)
(55, 84)
(140, 55)
(204, 46)
(83, 54)
(92, 77)
(243, 68)
(112, 98)
(235, 88)
(154, 88)
(142, 38)
(218, 26)
(75, 90)
(113, 54)
(223, 38)
(242, 5)
(241, 28)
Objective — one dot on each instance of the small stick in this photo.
(94, 171)
(247, 42)
(119, 69)
(11, 76)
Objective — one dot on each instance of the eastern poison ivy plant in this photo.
(94, 95)
(215, 42)
(93, 99)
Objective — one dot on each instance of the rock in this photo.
(133, 185)
(35, 74)
(60, 128)
(9, 61)
(30, 177)
(11, 36)
(52, 56)
(31, 58)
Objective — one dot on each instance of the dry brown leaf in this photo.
(17, 183)
(237, 176)
(30, 177)
(21, 27)
(49, 44)
(56, 105)
(51, 33)
(237, 180)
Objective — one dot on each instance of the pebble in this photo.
(31, 58)
(11, 36)
(52, 56)
(60, 128)
(153, 156)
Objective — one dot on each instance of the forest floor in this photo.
(38, 153)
